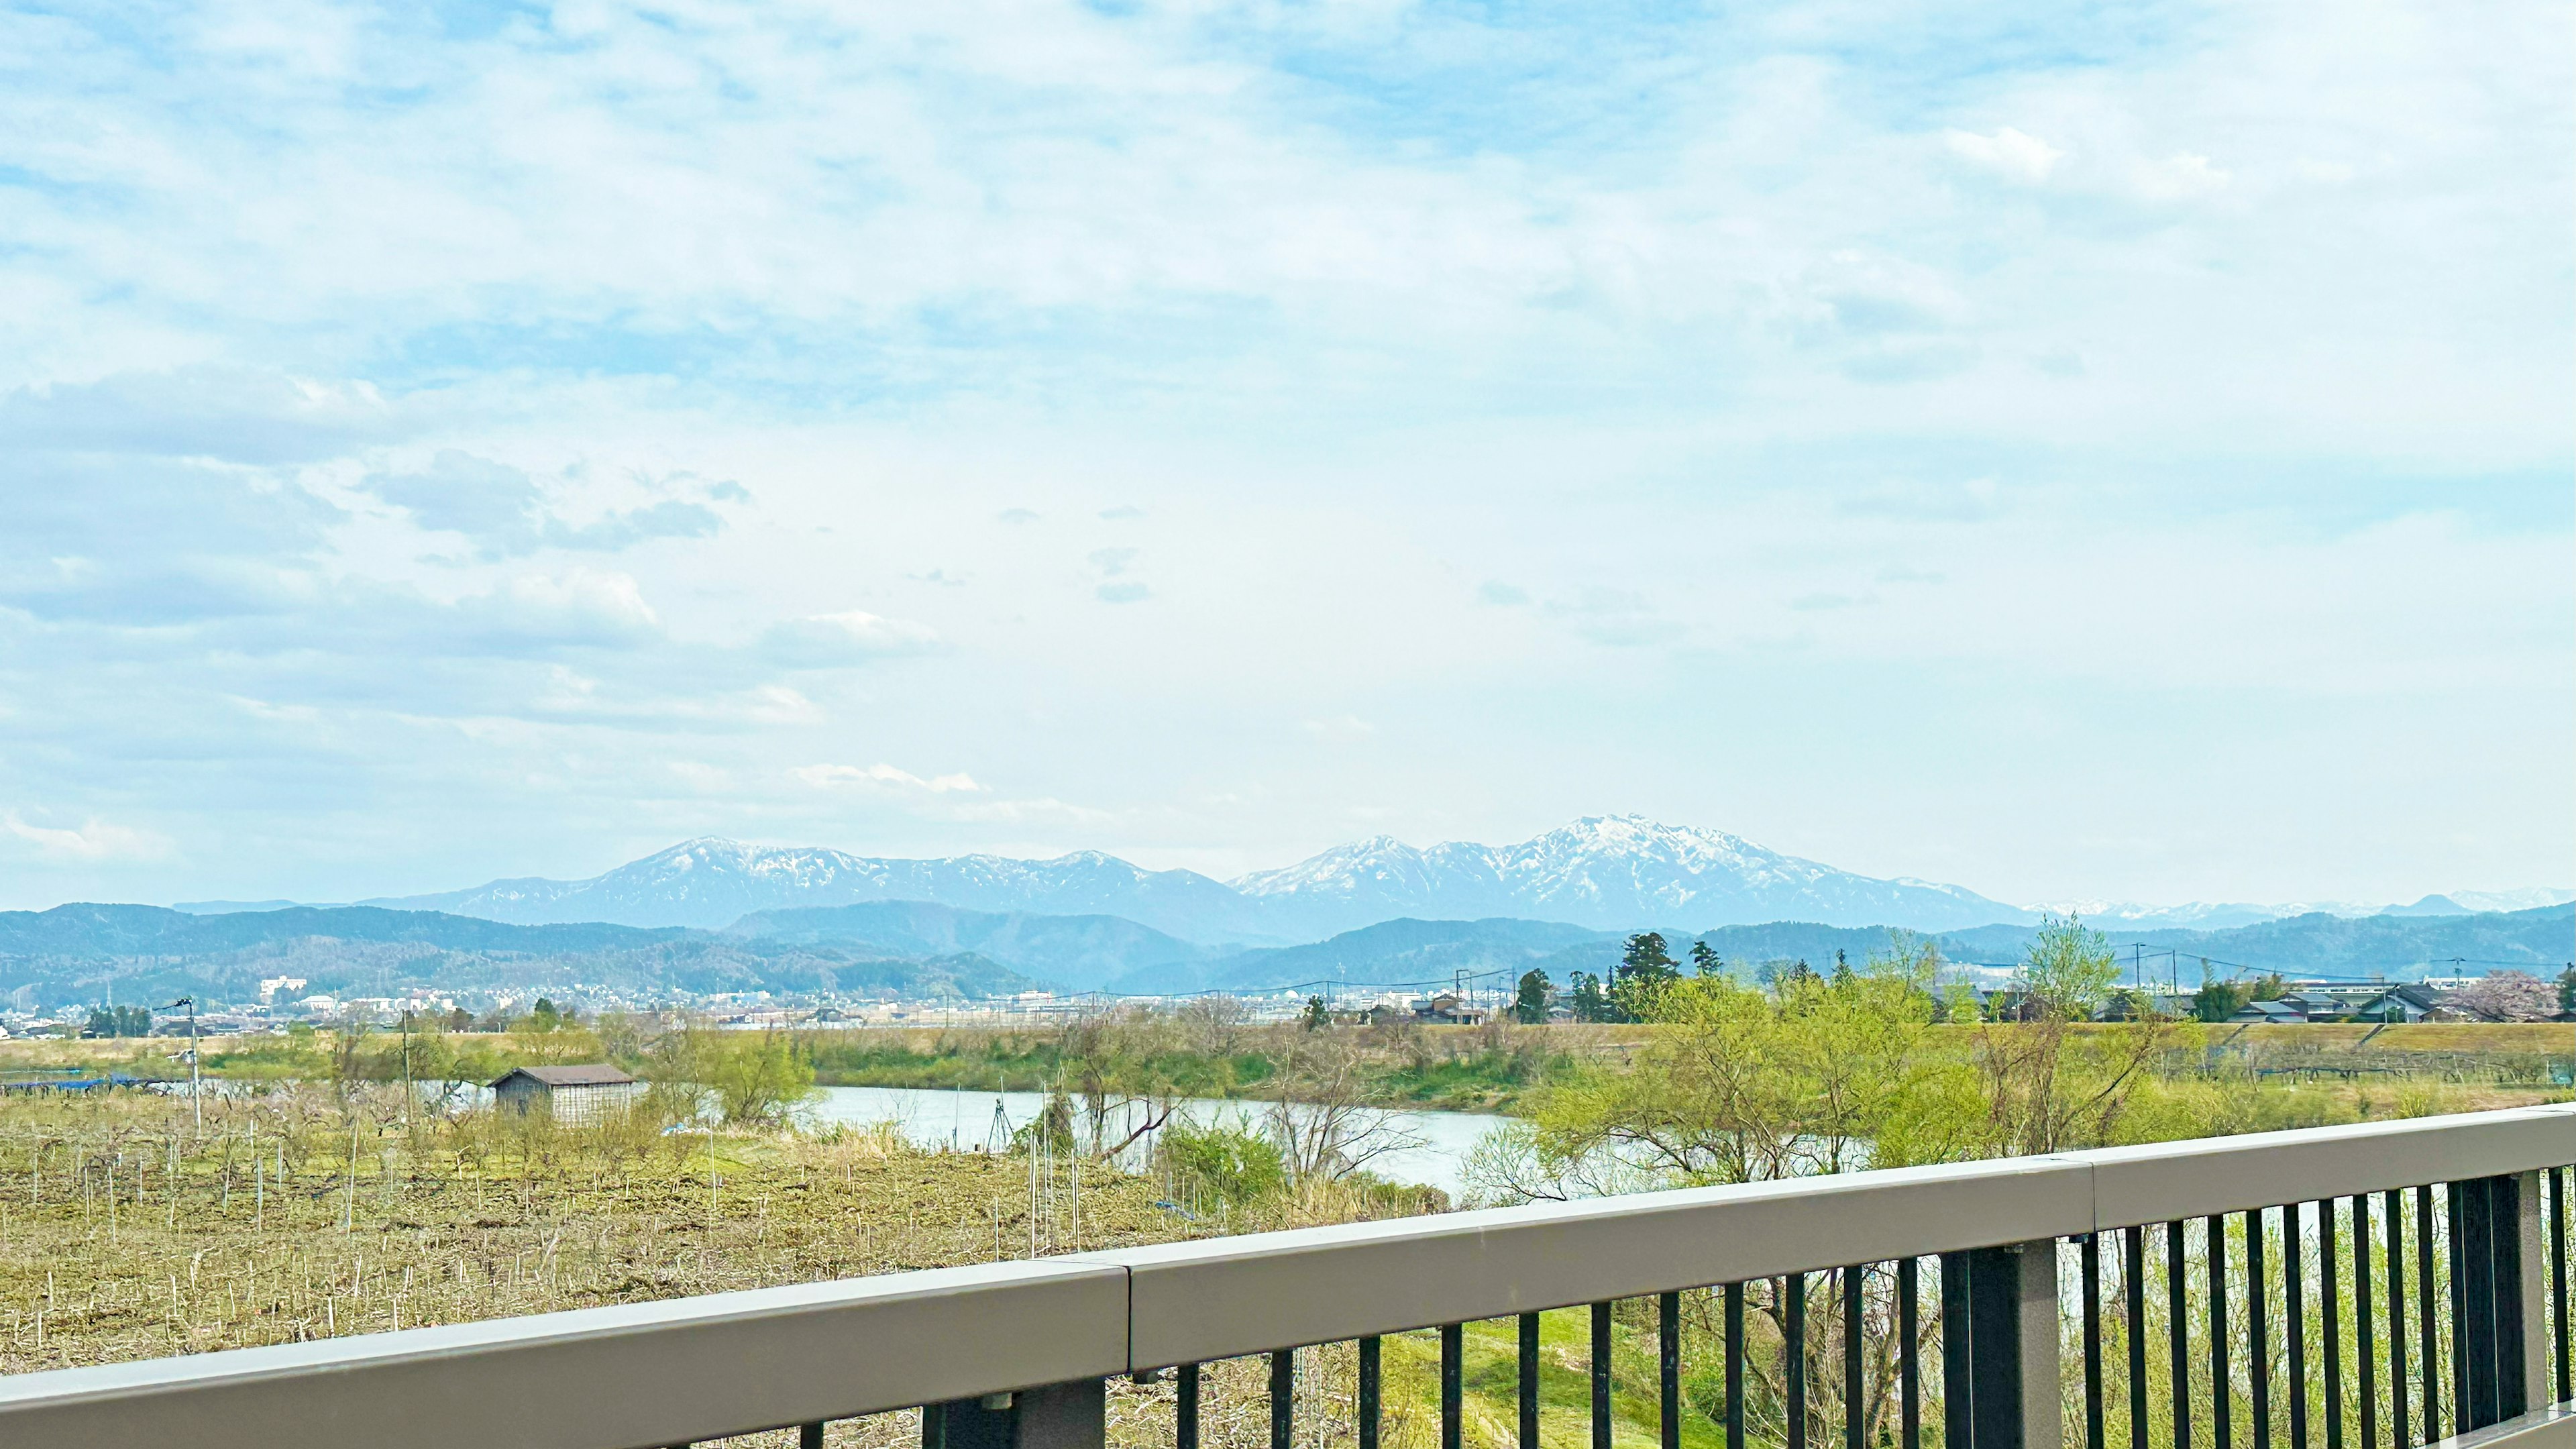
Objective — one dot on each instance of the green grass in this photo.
(1491, 1379)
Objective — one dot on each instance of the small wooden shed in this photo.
(572, 1095)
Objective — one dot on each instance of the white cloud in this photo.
(1340, 729)
(94, 840)
(2010, 153)
(829, 777)
(2179, 177)
(826, 641)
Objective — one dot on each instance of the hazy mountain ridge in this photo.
(89, 952)
(2539, 941)
(1080, 952)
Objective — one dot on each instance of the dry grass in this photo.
(127, 1232)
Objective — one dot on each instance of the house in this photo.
(571, 1095)
(1447, 1007)
(2283, 1010)
(2367, 1001)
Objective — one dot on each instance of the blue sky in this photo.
(2116, 451)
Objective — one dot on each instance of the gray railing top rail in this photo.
(698, 1368)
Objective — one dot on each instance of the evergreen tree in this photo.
(1705, 961)
(1316, 1016)
(1530, 1007)
(1645, 968)
(1590, 1002)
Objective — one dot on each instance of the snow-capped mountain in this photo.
(712, 883)
(1604, 872)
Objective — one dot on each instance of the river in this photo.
(1436, 1154)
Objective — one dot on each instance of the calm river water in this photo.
(965, 1122)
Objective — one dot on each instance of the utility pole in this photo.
(407, 1092)
(196, 1083)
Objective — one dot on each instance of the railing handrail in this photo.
(695, 1368)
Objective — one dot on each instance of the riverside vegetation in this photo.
(317, 1197)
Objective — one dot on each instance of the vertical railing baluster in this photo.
(1909, 1358)
(2178, 1329)
(2558, 1345)
(1283, 1399)
(2473, 1331)
(1852, 1360)
(2222, 1417)
(809, 1436)
(1372, 1407)
(1529, 1381)
(1185, 1408)
(2294, 1293)
(2391, 1209)
(2429, 1339)
(1958, 1371)
(2258, 1346)
(2134, 1269)
(1600, 1376)
(2091, 1254)
(2463, 1402)
(2330, 1301)
(1795, 1346)
(1668, 1355)
(1735, 1367)
(2365, 1344)
(1453, 1384)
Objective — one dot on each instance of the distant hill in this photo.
(82, 953)
(1080, 952)
(2540, 941)
(1383, 954)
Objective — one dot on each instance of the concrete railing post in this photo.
(1999, 1336)
(2531, 1292)
(1058, 1416)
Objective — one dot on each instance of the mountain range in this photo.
(1600, 872)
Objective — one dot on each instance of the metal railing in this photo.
(2373, 1287)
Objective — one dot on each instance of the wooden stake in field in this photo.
(349, 1208)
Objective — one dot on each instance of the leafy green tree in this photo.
(1529, 1007)
(1589, 1001)
(1746, 1084)
(1705, 960)
(2048, 1087)
(2567, 989)
(1229, 1162)
(544, 1016)
(1316, 1017)
(2218, 1000)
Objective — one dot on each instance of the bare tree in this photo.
(1212, 1025)
(1324, 1117)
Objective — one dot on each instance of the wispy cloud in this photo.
(826, 777)
(92, 840)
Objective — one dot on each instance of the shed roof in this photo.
(587, 1074)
